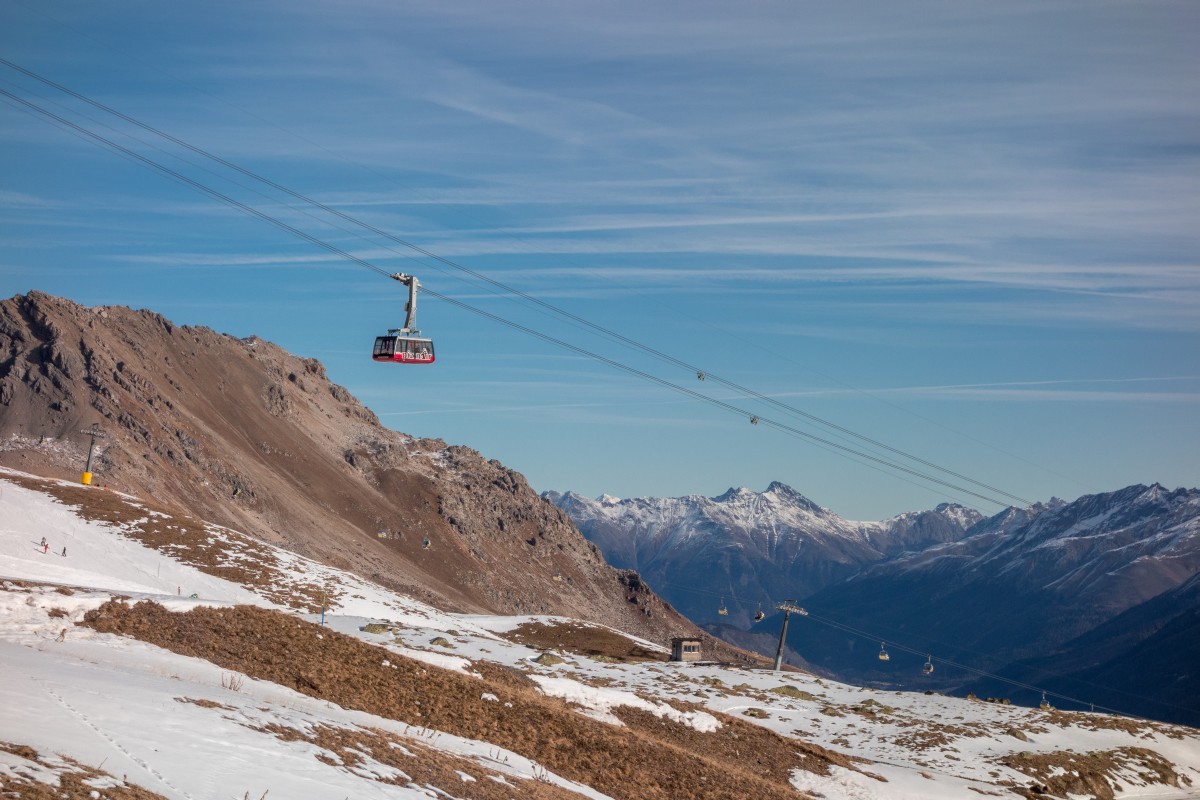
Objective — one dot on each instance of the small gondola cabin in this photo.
(403, 350)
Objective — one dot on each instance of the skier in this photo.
(45, 547)
(64, 552)
(43, 542)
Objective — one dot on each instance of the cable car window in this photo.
(384, 346)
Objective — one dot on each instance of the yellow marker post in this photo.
(94, 432)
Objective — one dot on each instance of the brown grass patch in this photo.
(584, 640)
(643, 760)
(71, 780)
(750, 750)
(421, 765)
(204, 703)
(1093, 774)
(1138, 727)
(922, 739)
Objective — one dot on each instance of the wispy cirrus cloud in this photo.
(1073, 390)
(909, 196)
(21, 200)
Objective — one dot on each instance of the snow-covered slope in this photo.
(750, 548)
(103, 715)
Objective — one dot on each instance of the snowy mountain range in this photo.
(1096, 596)
(748, 549)
(167, 657)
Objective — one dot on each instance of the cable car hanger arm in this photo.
(411, 307)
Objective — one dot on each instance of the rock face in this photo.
(749, 549)
(244, 434)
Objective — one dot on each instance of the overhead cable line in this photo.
(288, 228)
(269, 182)
(430, 200)
(754, 418)
(194, 184)
(597, 328)
(925, 653)
(982, 673)
(250, 210)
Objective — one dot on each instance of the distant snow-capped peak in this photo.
(778, 511)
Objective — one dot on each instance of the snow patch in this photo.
(600, 701)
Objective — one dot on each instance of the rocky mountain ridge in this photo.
(242, 433)
(748, 548)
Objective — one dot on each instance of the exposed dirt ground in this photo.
(1070, 774)
(422, 766)
(645, 759)
(582, 639)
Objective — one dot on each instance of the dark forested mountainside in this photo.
(1090, 592)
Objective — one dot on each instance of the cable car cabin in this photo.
(405, 345)
(403, 349)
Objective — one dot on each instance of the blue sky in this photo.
(965, 230)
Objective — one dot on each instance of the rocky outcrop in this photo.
(242, 433)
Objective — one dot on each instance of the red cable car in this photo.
(405, 345)
(396, 349)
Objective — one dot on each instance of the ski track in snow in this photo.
(83, 718)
